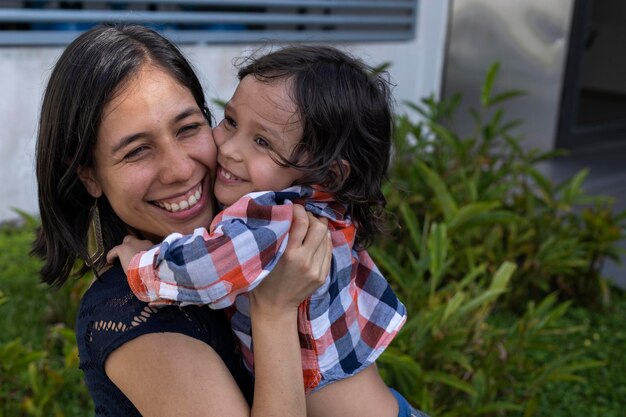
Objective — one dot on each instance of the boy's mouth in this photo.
(227, 175)
(185, 202)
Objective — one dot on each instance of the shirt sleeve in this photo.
(213, 266)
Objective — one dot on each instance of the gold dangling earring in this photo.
(95, 246)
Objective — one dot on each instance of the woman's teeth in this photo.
(191, 201)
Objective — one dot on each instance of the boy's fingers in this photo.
(322, 258)
(111, 255)
(327, 260)
(299, 227)
(318, 228)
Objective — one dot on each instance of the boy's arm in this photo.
(214, 266)
(127, 249)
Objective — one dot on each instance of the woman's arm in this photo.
(168, 374)
(279, 388)
(171, 374)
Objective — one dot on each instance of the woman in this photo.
(124, 129)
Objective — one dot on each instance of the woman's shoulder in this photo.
(108, 308)
(110, 315)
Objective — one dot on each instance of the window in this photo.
(44, 22)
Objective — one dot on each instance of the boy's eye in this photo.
(230, 122)
(262, 142)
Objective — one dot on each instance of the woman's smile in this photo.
(181, 203)
(155, 157)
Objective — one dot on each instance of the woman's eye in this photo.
(189, 129)
(135, 153)
(262, 142)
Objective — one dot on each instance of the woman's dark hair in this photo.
(85, 78)
(346, 112)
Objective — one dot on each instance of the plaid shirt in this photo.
(343, 327)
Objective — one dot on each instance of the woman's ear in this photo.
(91, 184)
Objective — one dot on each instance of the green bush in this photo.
(603, 393)
(39, 373)
(449, 358)
(44, 382)
(497, 204)
(25, 300)
(480, 229)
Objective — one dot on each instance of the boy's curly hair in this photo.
(346, 112)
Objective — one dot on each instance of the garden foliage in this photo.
(497, 203)
(39, 373)
(479, 228)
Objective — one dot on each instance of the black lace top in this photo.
(110, 316)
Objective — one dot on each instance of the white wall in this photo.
(416, 70)
(530, 39)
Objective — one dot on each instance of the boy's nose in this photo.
(231, 148)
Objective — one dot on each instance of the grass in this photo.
(603, 393)
(39, 373)
(32, 307)
(24, 313)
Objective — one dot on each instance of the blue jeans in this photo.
(405, 409)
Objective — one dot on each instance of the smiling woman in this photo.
(155, 149)
(125, 143)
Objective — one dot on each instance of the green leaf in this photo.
(497, 407)
(471, 276)
(492, 72)
(452, 306)
(442, 133)
(419, 109)
(583, 365)
(504, 96)
(477, 118)
(573, 187)
(449, 380)
(503, 276)
(219, 102)
(480, 300)
(485, 219)
(438, 186)
(458, 357)
(468, 212)
(381, 68)
(410, 222)
(438, 251)
(490, 130)
(479, 382)
(531, 407)
(545, 185)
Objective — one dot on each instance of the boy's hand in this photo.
(301, 270)
(129, 248)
